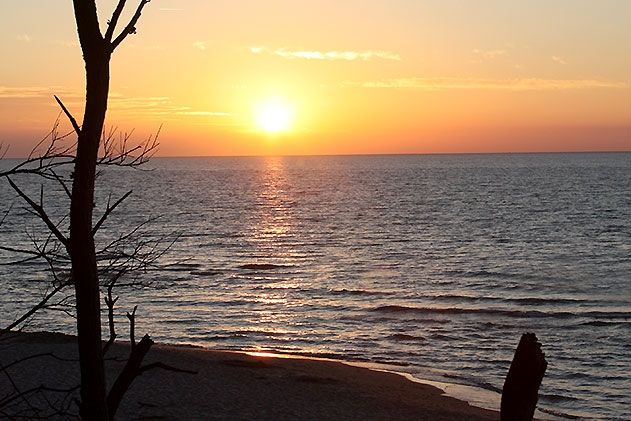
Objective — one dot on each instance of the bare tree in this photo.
(97, 51)
(72, 257)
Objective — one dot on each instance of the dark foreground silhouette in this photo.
(521, 387)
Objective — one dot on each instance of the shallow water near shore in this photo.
(432, 264)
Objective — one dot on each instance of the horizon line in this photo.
(561, 152)
(402, 154)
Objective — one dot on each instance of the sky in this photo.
(294, 77)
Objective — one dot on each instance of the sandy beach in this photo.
(239, 386)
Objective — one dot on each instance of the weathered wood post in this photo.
(521, 387)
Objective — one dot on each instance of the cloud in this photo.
(559, 60)
(327, 55)
(205, 113)
(488, 54)
(27, 92)
(23, 38)
(201, 45)
(529, 84)
(156, 106)
(159, 106)
(483, 55)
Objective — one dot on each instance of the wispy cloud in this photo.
(488, 54)
(119, 103)
(161, 108)
(23, 38)
(205, 113)
(157, 106)
(327, 55)
(531, 84)
(559, 60)
(27, 92)
(201, 45)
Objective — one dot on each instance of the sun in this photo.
(274, 116)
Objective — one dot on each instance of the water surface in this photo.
(436, 264)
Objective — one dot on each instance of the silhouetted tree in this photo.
(72, 257)
(97, 51)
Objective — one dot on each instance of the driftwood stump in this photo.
(521, 387)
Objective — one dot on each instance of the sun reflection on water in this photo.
(274, 204)
(273, 234)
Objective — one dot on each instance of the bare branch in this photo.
(31, 357)
(111, 25)
(73, 121)
(115, 152)
(132, 327)
(33, 254)
(42, 162)
(131, 26)
(6, 213)
(110, 301)
(108, 211)
(33, 309)
(41, 213)
(33, 390)
(62, 183)
(124, 237)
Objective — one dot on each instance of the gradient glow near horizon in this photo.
(396, 76)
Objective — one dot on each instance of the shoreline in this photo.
(234, 384)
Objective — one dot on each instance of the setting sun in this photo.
(274, 116)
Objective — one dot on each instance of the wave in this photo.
(206, 272)
(553, 397)
(182, 267)
(474, 381)
(606, 323)
(559, 413)
(502, 312)
(263, 266)
(250, 332)
(482, 273)
(519, 300)
(345, 291)
(403, 337)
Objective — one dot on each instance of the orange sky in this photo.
(397, 76)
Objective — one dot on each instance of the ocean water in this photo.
(434, 264)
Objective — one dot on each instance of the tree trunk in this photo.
(81, 244)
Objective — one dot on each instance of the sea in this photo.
(432, 265)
